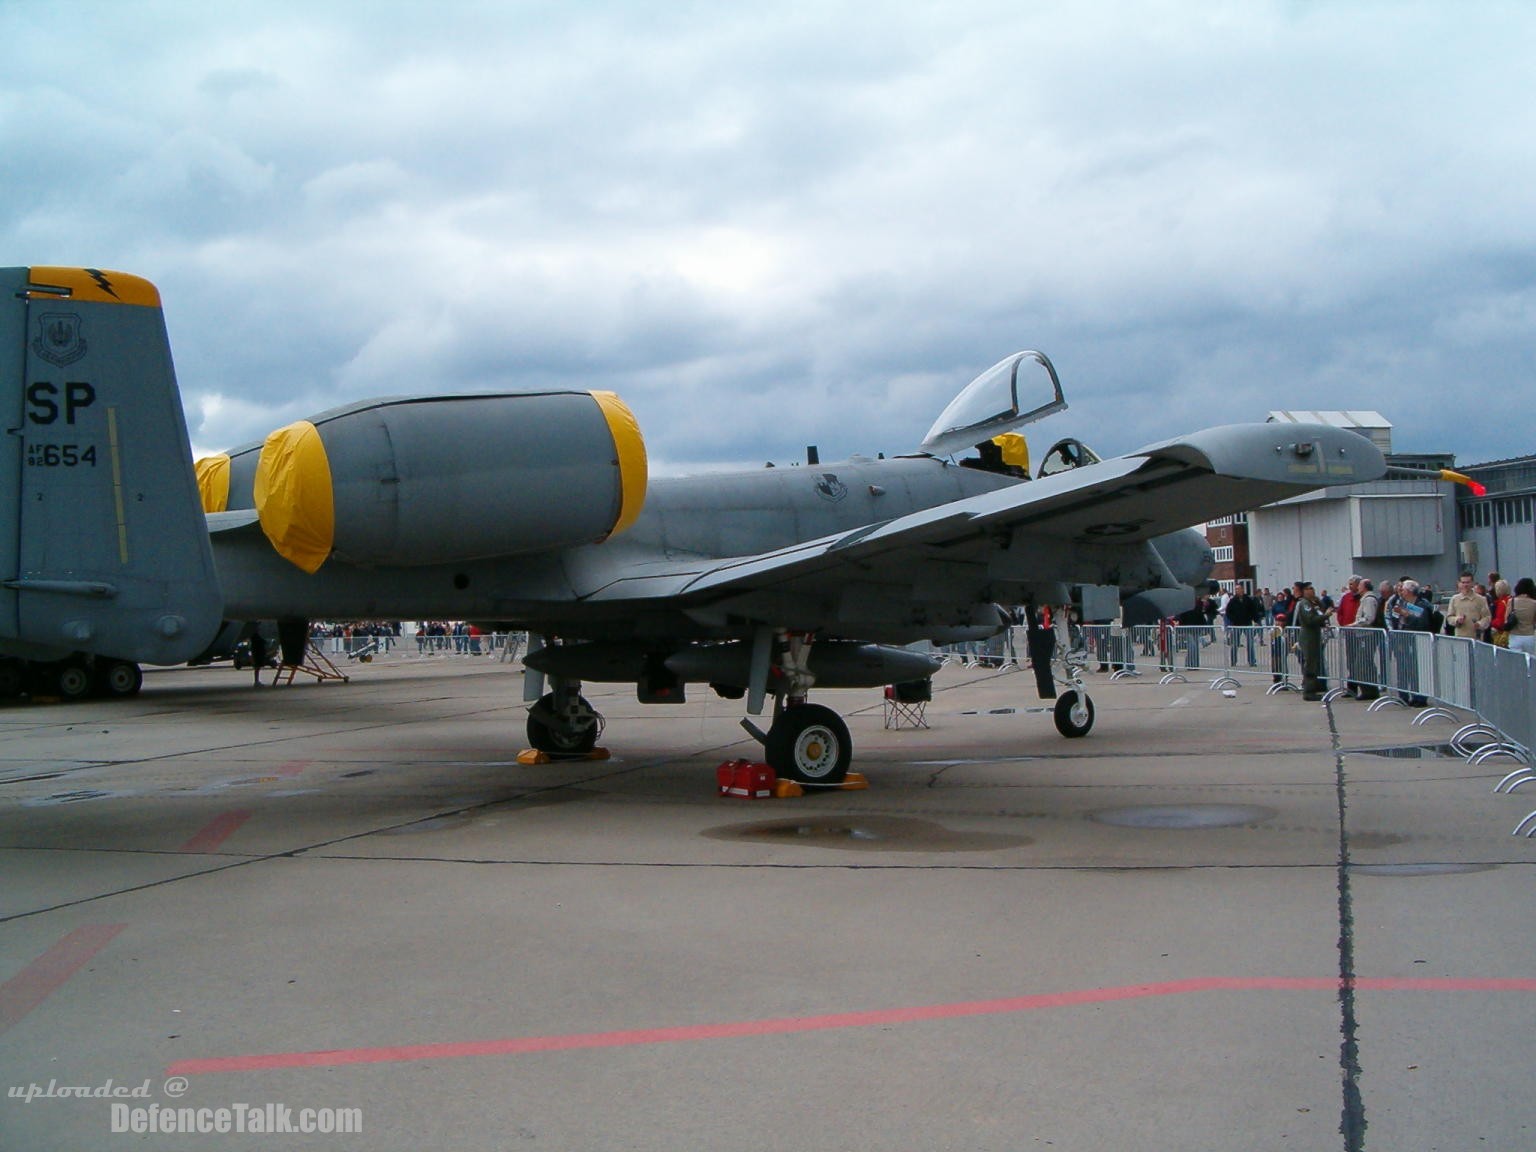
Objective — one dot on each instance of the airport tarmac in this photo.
(1221, 921)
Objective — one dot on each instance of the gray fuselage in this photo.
(702, 518)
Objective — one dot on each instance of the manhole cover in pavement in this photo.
(1179, 816)
(1418, 869)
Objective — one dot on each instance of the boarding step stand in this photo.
(316, 664)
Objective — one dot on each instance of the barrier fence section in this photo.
(493, 644)
(1415, 668)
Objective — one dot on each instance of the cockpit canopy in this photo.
(1066, 455)
(995, 402)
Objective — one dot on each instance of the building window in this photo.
(1515, 510)
(1222, 555)
(1505, 511)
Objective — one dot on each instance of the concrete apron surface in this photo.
(1221, 920)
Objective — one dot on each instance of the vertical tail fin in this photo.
(103, 543)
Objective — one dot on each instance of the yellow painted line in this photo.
(117, 486)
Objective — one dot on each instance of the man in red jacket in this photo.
(1349, 603)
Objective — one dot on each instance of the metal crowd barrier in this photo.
(1397, 668)
(492, 644)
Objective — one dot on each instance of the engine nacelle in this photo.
(439, 479)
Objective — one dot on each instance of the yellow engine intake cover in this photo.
(629, 449)
(213, 482)
(293, 495)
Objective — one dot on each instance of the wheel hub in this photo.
(815, 752)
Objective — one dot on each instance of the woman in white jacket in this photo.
(1522, 617)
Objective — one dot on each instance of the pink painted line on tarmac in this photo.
(45, 975)
(1443, 984)
(293, 768)
(695, 1032)
(216, 831)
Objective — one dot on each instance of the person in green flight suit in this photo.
(1311, 617)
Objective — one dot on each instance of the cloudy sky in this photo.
(769, 225)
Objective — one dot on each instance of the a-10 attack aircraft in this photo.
(534, 511)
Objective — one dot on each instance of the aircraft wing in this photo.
(1156, 490)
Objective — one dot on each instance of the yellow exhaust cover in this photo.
(293, 494)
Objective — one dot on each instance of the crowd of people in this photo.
(347, 635)
(432, 636)
(443, 635)
(1300, 617)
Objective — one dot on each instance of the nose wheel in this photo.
(1074, 713)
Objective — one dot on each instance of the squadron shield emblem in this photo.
(59, 340)
(829, 487)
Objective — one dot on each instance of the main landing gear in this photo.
(76, 677)
(808, 744)
(563, 722)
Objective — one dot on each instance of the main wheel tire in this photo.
(13, 678)
(119, 678)
(810, 745)
(72, 681)
(546, 737)
(1066, 724)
